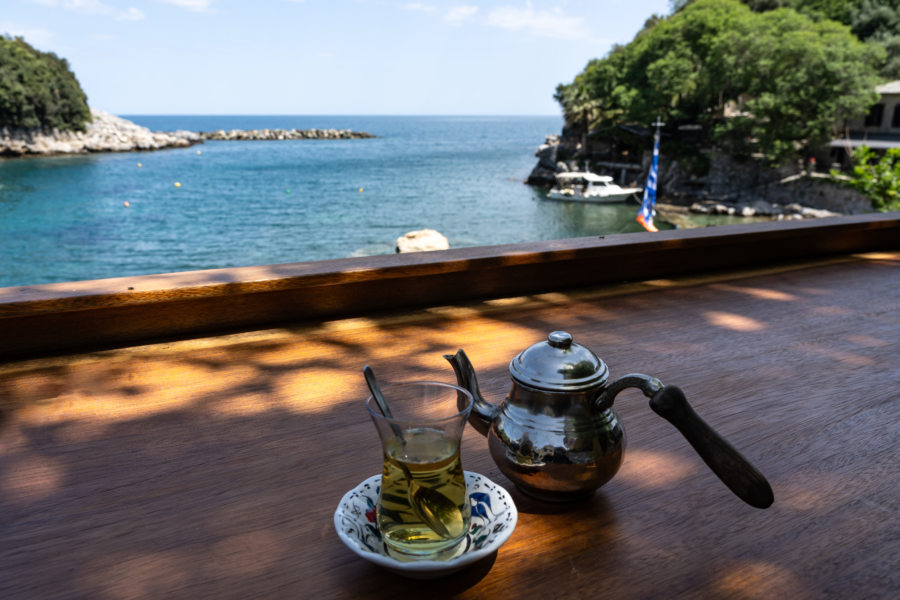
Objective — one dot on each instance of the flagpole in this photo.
(647, 211)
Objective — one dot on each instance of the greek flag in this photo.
(645, 214)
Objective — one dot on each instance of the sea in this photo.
(239, 203)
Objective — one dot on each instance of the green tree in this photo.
(878, 22)
(579, 108)
(801, 77)
(37, 89)
(773, 83)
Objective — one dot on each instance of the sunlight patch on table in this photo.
(511, 301)
(648, 469)
(758, 579)
(146, 388)
(136, 575)
(349, 324)
(761, 293)
(454, 312)
(661, 283)
(244, 554)
(553, 298)
(31, 478)
(834, 354)
(316, 391)
(814, 492)
(879, 255)
(733, 321)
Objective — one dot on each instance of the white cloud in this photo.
(552, 24)
(457, 14)
(35, 36)
(132, 14)
(419, 6)
(192, 5)
(93, 7)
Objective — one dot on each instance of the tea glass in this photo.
(423, 511)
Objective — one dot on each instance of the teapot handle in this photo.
(728, 464)
(669, 402)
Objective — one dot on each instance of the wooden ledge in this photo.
(87, 315)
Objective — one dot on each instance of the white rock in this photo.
(422, 240)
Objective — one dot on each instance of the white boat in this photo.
(589, 187)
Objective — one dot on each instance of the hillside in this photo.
(38, 90)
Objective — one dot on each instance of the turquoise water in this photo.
(265, 202)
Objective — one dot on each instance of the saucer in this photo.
(494, 517)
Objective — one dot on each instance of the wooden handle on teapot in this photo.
(728, 464)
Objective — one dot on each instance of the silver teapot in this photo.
(557, 437)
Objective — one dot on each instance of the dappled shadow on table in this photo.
(211, 467)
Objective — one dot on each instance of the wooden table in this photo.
(211, 467)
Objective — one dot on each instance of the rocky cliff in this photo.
(747, 188)
(105, 133)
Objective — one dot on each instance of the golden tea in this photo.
(423, 507)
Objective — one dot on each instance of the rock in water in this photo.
(422, 240)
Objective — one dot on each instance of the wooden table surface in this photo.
(210, 468)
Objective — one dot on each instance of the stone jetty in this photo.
(109, 133)
(284, 134)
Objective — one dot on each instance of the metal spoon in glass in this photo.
(427, 503)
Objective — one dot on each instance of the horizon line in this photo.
(142, 114)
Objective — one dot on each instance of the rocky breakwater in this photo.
(105, 133)
(284, 134)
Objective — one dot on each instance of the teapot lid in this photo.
(559, 365)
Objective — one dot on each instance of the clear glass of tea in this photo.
(423, 511)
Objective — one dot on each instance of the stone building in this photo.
(879, 130)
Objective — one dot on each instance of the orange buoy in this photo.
(126, 204)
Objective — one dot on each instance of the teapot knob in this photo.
(560, 339)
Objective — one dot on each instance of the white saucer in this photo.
(494, 517)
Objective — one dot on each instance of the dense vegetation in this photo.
(878, 178)
(772, 84)
(37, 89)
(873, 21)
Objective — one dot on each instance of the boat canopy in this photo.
(593, 178)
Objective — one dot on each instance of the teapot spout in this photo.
(483, 412)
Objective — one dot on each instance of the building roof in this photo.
(891, 87)
(874, 144)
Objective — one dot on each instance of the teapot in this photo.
(557, 437)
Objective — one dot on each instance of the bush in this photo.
(37, 89)
(878, 179)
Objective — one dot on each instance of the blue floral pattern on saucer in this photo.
(494, 517)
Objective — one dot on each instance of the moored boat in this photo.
(589, 187)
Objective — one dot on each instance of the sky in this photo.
(329, 57)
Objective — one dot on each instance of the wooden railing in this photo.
(86, 315)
